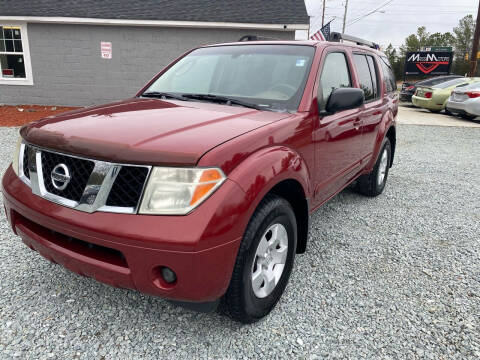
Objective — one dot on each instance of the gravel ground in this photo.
(393, 277)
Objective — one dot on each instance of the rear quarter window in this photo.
(388, 76)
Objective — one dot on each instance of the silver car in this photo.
(465, 101)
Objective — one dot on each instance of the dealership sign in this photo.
(428, 63)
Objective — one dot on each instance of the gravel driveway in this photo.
(393, 277)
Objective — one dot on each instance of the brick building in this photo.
(70, 52)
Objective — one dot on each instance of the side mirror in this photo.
(344, 99)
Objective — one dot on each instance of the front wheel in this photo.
(373, 184)
(264, 261)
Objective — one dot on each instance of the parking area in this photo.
(416, 116)
(396, 276)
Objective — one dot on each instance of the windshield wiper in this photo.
(227, 100)
(164, 95)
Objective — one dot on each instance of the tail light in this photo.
(473, 94)
(428, 95)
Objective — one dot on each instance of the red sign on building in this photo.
(106, 50)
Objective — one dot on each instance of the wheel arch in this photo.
(280, 171)
(292, 191)
(392, 136)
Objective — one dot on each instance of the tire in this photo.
(467, 116)
(245, 303)
(370, 184)
(447, 112)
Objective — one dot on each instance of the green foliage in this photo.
(461, 40)
(395, 61)
(463, 44)
(423, 38)
(439, 39)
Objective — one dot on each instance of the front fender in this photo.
(262, 170)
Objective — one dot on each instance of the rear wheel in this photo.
(373, 184)
(264, 261)
(468, 116)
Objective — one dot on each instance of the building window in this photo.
(15, 67)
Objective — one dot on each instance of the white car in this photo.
(465, 101)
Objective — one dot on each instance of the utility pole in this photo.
(473, 58)
(323, 13)
(345, 17)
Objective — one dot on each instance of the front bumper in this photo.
(469, 107)
(126, 250)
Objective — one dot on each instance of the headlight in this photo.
(179, 190)
(16, 155)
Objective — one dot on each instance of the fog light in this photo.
(168, 275)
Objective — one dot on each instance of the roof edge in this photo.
(153, 23)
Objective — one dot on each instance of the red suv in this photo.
(200, 187)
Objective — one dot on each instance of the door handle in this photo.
(356, 123)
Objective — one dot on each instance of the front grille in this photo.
(85, 178)
(80, 170)
(128, 186)
(26, 170)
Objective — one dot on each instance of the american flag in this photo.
(323, 34)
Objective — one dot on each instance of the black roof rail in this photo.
(255, 38)
(337, 37)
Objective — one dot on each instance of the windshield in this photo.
(449, 83)
(271, 77)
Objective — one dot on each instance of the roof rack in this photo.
(255, 38)
(337, 37)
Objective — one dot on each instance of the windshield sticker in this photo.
(300, 62)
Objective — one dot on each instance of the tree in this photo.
(439, 39)
(460, 40)
(395, 61)
(463, 44)
(391, 53)
(423, 38)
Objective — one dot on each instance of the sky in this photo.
(393, 22)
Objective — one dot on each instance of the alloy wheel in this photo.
(269, 262)
(382, 168)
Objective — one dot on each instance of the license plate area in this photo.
(459, 97)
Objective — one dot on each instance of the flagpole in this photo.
(345, 17)
(323, 13)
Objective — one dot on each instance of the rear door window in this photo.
(374, 75)
(364, 76)
(335, 74)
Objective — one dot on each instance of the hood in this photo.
(146, 131)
